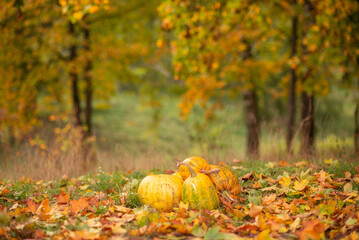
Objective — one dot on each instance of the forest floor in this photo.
(278, 200)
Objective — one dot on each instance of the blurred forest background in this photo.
(132, 85)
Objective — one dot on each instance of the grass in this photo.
(132, 136)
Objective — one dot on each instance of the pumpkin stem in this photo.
(210, 172)
(193, 173)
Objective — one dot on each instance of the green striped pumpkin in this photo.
(198, 191)
(161, 192)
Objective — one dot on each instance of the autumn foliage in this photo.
(295, 201)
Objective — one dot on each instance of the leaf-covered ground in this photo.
(278, 200)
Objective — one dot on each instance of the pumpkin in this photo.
(224, 180)
(177, 174)
(198, 191)
(161, 192)
(196, 163)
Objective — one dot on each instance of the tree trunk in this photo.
(252, 121)
(88, 80)
(307, 124)
(90, 158)
(356, 129)
(74, 77)
(292, 97)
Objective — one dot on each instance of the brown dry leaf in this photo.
(255, 210)
(128, 217)
(348, 187)
(77, 206)
(93, 223)
(295, 224)
(348, 175)
(122, 209)
(248, 176)
(118, 229)
(271, 188)
(169, 171)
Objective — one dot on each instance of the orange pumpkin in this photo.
(225, 181)
(196, 163)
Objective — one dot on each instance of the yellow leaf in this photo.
(78, 15)
(299, 186)
(285, 182)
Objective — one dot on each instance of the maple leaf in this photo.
(31, 206)
(300, 186)
(255, 210)
(45, 207)
(78, 205)
(63, 197)
(312, 229)
(269, 199)
(285, 182)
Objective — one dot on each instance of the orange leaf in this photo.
(255, 210)
(45, 208)
(312, 229)
(269, 199)
(256, 185)
(31, 206)
(78, 205)
(63, 197)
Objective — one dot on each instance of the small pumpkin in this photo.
(196, 163)
(161, 192)
(198, 191)
(224, 180)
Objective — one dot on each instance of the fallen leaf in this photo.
(122, 209)
(295, 224)
(248, 176)
(79, 205)
(255, 210)
(118, 229)
(32, 206)
(348, 187)
(63, 197)
(269, 199)
(312, 229)
(285, 182)
(300, 186)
